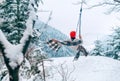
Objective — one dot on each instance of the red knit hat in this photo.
(72, 34)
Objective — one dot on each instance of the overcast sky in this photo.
(95, 24)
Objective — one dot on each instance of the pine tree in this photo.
(14, 14)
(110, 47)
(98, 50)
(115, 43)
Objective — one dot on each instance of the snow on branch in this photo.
(12, 52)
(15, 53)
(27, 33)
(25, 40)
(29, 23)
(3, 40)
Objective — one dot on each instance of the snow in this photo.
(6, 78)
(27, 64)
(13, 64)
(91, 68)
(29, 23)
(14, 52)
(27, 32)
(4, 40)
(1, 1)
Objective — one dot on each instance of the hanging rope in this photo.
(79, 21)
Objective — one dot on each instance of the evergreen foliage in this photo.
(109, 47)
(14, 14)
(97, 51)
(116, 43)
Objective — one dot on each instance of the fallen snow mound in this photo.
(91, 68)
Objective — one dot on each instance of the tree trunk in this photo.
(14, 74)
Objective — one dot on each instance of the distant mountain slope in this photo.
(49, 32)
(91, 68)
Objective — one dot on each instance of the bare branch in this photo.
(71, 71)
(64, 71)
(28, 51)
(102, 4)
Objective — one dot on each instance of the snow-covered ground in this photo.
(91, 68)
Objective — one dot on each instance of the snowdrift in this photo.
(91, 68)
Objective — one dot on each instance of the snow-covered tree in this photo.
(14, 14)
(98, 50)
(109, 47)
(35, 58)
(115, 43)
(16, 32)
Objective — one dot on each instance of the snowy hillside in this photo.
(47, 33)
(91, 68)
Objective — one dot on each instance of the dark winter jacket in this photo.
(74, 44)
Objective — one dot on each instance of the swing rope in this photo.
(79, 20)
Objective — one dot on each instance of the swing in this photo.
(55, 44)
(81, 48)
(79, 21)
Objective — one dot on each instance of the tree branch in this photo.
(26, 45)
(102, 4)
(117, 1)
(1, 48)
(3, 41)
(25, 40)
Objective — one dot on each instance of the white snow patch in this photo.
(4, 40)
(27, 64)
(91, 68)
(1, 1)
(14, 53)
(26, 34)
(13, 64)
